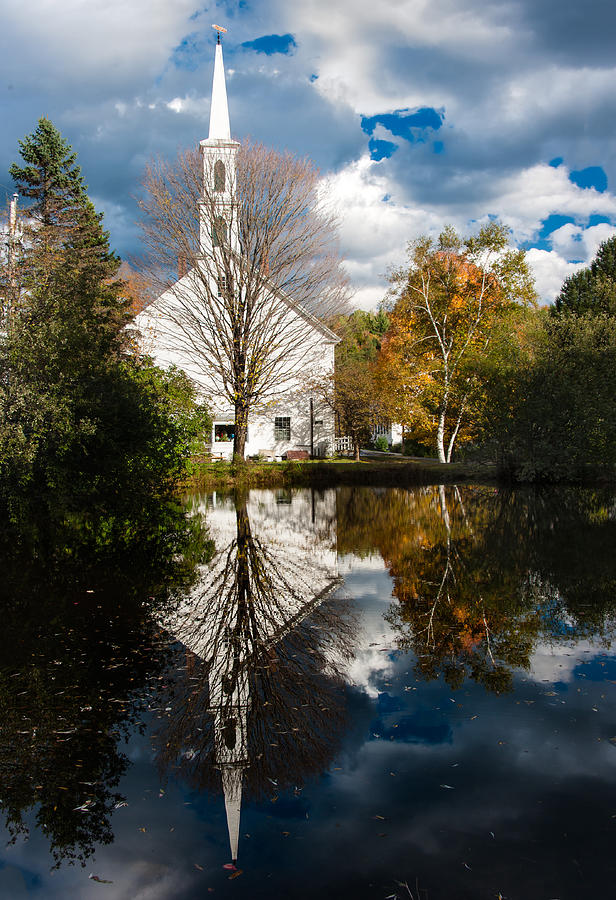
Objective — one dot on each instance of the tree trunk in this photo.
(440, 436)
(241, 427)
(356, 448)
(452, 439)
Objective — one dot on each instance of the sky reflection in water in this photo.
(441, 718)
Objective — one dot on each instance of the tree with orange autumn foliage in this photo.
(135, 288)
(445, 306)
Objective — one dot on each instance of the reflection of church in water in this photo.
(260, 703)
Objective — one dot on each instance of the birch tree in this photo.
(446, 303)
(224, 280)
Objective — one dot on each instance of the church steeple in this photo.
(218, 214)
(220, 130)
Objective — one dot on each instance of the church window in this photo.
(282, 428)
(224, 432)
(219, 176)
(224, 287)
(219, 232)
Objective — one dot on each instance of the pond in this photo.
(350, 693)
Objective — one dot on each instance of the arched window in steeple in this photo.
(219, 232)
(219, 176)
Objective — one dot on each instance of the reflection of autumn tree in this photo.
(480, 574)
(264, 636)
(462, 613)
(77, 648)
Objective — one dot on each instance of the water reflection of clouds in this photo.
(367, 581)
(527, 739)
(423, 778)
(557, 663)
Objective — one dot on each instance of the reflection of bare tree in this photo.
(260, 695)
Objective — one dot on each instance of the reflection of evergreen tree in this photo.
(481, 575)
(79, 645)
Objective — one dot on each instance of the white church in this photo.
(179, 328)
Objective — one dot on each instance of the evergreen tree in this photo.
(591, 290)
(80, 414)
(50, 177)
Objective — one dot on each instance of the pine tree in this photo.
(83, 420)
(67, 334)
(50, 178)
(591, 290)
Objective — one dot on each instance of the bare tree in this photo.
(242, 247)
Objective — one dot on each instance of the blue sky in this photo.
(417, 113)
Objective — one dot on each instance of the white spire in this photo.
(220, 129)
(232, 789)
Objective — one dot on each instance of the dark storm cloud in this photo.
(578, 33)
(515, 84)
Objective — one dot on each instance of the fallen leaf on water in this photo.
(382, 818)
(229, 866)
(197, 866)
(448, 786)
(99, 879)
(236, 874)
(142, 829)
(286, 833)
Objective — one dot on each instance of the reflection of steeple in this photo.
(255, 596)
(232, 790)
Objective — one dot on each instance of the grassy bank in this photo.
(330, 473)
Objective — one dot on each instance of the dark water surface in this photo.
(357, 693)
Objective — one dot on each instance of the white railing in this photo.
(381, 431)
(344, 444)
